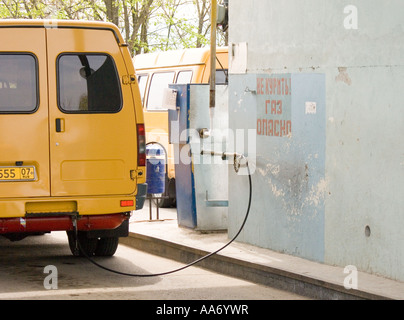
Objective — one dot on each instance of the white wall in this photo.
(364, 77)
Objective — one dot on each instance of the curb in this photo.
(257, 273)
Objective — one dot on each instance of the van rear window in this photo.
(184, 77)
(88, 83)
(142, 81)
(159, 81)
(222, 76)
(18, 83)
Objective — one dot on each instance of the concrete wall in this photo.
(361, 195)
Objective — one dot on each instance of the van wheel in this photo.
(89, 245)
(106, 247)
(169, 202)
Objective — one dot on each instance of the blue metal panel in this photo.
(201, 182)
(179, 118)
(287, 213)
(185, 192)
(184, 182)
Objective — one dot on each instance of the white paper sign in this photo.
(311, 107)
(170, 98)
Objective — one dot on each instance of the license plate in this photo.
(21, 173)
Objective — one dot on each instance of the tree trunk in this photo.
(112, 8)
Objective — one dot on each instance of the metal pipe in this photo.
(222, 154)
(213, 18)
(237, 157)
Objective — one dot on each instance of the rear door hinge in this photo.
(128, 79)
(134, 174)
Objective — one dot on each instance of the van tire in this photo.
(106, 247)
(89, 245)
(169, 192)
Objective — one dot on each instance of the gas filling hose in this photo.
(225, 155)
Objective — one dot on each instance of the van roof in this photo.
(174, 57)
(55, 23)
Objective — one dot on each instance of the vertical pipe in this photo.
(213, 18)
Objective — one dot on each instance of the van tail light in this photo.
(141, 145)
(127, 203)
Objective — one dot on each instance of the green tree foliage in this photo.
(147, 25)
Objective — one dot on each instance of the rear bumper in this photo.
(28, 215)
(62, 223)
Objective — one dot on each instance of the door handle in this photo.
(60, 125)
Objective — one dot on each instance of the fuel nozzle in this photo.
(237, 157)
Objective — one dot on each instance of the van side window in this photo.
(158, 82)
(88, 83)
(142, 81)
(221, 76)
(18, 83)
(184, 77)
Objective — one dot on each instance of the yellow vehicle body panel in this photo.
(104, 154)
(16, 130)
(84, 161)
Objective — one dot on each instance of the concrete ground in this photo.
(164, 237)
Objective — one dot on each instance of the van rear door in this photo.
(24, 130)
(92, 121)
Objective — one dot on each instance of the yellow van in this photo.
(155, 71)
(72, 140)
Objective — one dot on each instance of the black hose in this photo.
(190, 264)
